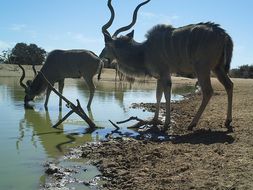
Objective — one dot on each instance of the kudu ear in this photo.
(131, 34)
(108, 38)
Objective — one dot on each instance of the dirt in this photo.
(206, 158)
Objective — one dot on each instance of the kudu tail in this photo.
(101, 66)
(228, 51)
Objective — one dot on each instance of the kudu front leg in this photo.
(60, 87)
(167, 94)
(207, 92)
(159, 93)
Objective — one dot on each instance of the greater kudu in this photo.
(61, 64)
(199, 48)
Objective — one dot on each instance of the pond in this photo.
(28, 139)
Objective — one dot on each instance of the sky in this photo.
(76, 24)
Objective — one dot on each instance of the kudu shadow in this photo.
(201, 136)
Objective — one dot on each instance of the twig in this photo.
(77, 109)
(140, 122)
(114, 125)
(131, 118)
(63, 119)
(137, 125)
(116, 131)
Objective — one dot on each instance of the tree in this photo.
(6, 57)
(235, 73)
(244, 71)
(24, 54)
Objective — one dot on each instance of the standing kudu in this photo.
(61, 64)
(199, 48)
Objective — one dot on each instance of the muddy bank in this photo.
(207, 158)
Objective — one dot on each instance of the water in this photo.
(28, 140)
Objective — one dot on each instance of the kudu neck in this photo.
(38, 85)
(131, 59)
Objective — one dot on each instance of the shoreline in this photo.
(206, 158)
(9, 70)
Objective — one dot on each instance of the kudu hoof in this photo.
(166, 127)
(228, 122)
(191, 126)
(229, 126)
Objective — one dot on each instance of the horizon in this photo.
(62, 24)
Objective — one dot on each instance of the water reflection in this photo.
(111, 101)
(28, 138)
(52, 139)
(105, 90)
(11, 86)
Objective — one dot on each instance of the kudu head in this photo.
(29, 90)
(115, 45)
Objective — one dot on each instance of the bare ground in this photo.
(207, 158)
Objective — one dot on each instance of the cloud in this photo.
(151, 17)
(148, 15)
(81, 38)
(17, 27)
(22, 28)
(73, 40)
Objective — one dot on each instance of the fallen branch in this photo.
(131, 118)
(151, 132)
(116, 131)
(114, 125)
(140, 122)
(74, 108)
(63, 119)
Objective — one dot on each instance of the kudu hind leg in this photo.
(91, 87)
(228, 84)
(167, 94)
(207, 92)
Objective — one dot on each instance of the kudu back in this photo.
(195, 48)
(61, 64)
